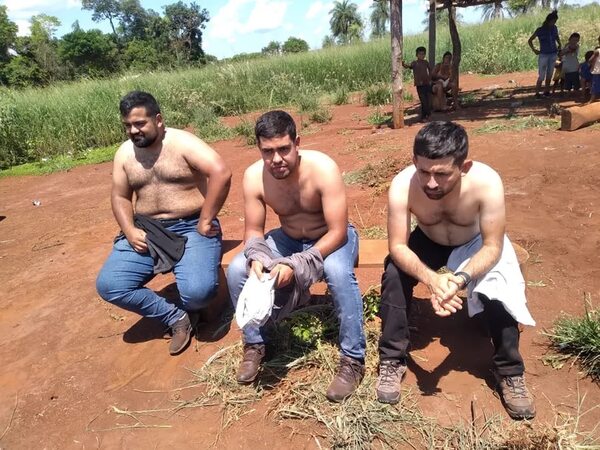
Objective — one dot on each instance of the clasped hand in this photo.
(284, 274)
(443, 289)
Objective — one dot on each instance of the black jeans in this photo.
(425, 99)
(396, 299)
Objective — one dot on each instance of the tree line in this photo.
(143, 39)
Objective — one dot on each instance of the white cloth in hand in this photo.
(255, 304)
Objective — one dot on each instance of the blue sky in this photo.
(235, 26)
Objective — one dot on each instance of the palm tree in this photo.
(380, 17)
(441, 18)
(493, 11)
(343, 15)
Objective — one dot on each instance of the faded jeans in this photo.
(122, 278)
(340, 279)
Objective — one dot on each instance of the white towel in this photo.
(504, 281)
(255, 303)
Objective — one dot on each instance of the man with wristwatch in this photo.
(459, 208)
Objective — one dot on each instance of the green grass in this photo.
(61, 163)
(579, 338)
(72, 117)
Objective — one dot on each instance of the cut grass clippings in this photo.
(578, 339)
(518, 124)
(377, 175)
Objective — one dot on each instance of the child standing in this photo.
(422, 75)
(570, 63)
(557, 77)
(586, 74)
(595, 69)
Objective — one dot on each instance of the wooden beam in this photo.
(456, 53)
(578, 116)
(432, 30)
(397, 49)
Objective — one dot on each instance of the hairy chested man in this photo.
(179, 185)
(459, 208)
(305, 189)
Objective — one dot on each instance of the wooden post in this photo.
(396, 33)
(456, 51)
(432, 31)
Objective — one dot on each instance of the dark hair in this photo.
(588, 55)
(553, 16)
(275, 124)
(575, 35)
(438, 140)
(447, 54)
(421, 49)
(139, 99)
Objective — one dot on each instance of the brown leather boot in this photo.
(349, 375)
(182, 333)
(389, 381)
(515, 396)
(250, 365)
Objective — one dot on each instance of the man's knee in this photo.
(338, 272)
(107, 288)
(197, 294)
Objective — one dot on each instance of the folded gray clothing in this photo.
(307, 266)
(165, 247)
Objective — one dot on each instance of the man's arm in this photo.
(205, 160)
(255, 211)
(335, 207)
(122, 205)
(492, 223)
(404, 258)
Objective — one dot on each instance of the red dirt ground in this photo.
(67, 356)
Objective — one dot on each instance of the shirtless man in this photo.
(460, 213)
(180, 182)
(305, 189)
(442, 81)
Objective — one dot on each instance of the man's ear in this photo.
(159, 120)
(297, 141)
(466, 166)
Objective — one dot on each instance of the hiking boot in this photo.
(248, 369)
(349, 374)
(389, 380)
(515, 397)
(181, 334)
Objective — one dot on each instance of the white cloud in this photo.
(228, 23)
(24, 26)
(267, 15)
(314, 9)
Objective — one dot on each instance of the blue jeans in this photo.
(126, 271)
(340, 278)
(545, 66)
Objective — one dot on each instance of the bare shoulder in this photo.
(482, 175)
(183, 139)
(253, 173)
(403, 179)
(123, 152)
(319, 162)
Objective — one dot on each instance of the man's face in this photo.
(143, 130)
(437, 177)
(280, 155)
(447, 59)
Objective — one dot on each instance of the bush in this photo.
(378, 94)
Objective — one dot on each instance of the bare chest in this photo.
(434, 213)
(143, 171)
(291, 200)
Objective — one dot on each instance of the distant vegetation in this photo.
(69, 118)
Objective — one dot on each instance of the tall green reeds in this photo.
(69, 118)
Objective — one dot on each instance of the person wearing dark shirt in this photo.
(422, 76)
(549, 41)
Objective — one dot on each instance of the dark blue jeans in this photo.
(124, 274)
(340, 278)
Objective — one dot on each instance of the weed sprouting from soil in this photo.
(378, 94)
(377, 175)
(578, 338)
(245, 129)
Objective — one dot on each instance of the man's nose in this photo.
(432, 184)
(276, 157)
